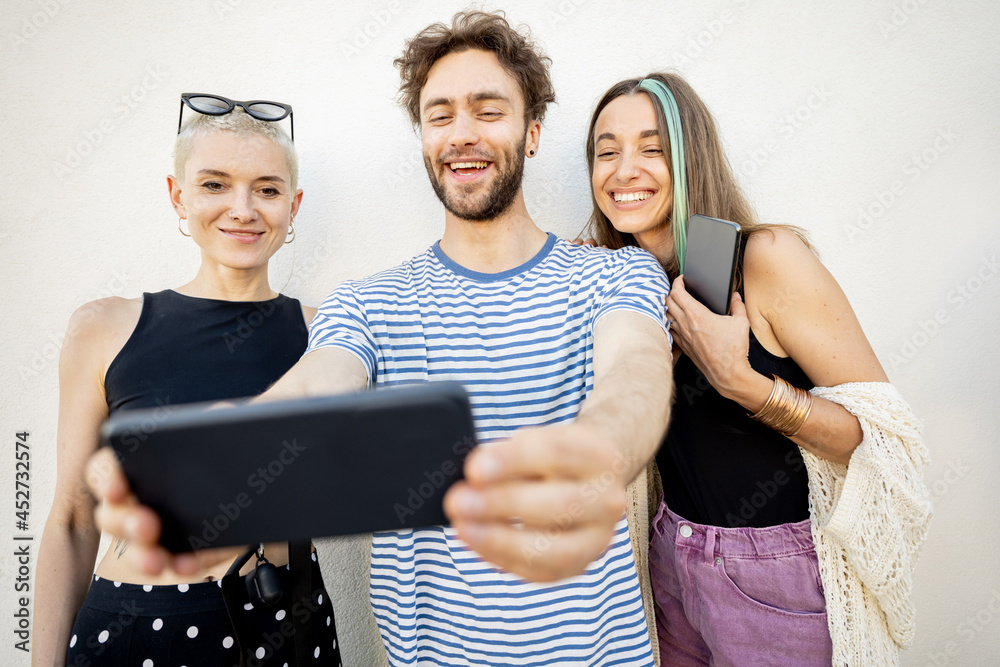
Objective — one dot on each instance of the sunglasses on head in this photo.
(216, 105)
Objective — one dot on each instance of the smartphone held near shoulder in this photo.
(713, 247)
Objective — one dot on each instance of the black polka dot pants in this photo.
(128, 625)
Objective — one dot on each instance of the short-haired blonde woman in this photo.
(235, 192)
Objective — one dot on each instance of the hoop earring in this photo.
(180, 229)
(291, 228)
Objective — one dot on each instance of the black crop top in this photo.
(186, 349)
(722, 468)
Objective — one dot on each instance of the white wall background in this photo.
(871, 124)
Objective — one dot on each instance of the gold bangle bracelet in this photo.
(786, 409)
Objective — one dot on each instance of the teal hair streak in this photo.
(678, 167)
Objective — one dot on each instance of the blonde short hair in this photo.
(241, 124)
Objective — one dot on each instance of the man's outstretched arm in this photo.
(543, 503)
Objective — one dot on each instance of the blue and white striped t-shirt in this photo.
(521, 343)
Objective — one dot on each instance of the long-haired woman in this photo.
(792, 503)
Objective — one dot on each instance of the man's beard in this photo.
(500, 196)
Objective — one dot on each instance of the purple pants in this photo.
(737, 596)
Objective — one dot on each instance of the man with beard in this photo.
(542, 333)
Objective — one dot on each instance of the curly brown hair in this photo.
(518, 55)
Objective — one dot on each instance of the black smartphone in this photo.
(713, 246)
(293, 470)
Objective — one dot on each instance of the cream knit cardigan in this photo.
(868, 522)
(638, 502)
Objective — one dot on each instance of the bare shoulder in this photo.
(308, 312)
(797, 309)
(777, 250)
(105, 316)
(779, 269)
(100, 328)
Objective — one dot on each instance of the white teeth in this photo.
(469, 165)
(632, 196)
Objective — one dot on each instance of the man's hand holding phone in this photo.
(566, 485)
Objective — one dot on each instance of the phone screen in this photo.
(710, 263)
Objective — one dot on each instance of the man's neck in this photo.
(493, 246)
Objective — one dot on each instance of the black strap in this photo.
(300, 560)
(234, 593)
(740, 286)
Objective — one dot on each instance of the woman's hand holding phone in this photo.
(717, 344)
(122, 517)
